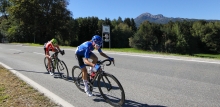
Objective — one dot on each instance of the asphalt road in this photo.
(148, 80)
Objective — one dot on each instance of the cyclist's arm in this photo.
(88, 62)
(57, 46)
(103, 54)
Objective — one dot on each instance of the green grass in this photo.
(133, 50)
(3, 96)
(215, 56)
(20, 94)
(127, 50)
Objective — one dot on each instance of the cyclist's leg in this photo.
(47, 54)
(85, 81)
(94, 60)
(82, 66)
(84, 74)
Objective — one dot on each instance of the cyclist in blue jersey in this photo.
(83, 52)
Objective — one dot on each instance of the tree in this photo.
(197, 32)
(182, 32)
(119, 20)
(145, 38)
(127, 21)
(120, 36)
(168, 37)
(43, 19)
(4, 4)
(133, 25)
(212, 36)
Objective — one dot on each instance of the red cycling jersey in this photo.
(49, 46)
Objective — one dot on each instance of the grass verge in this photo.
(16, 93)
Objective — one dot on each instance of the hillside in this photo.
(160, 19)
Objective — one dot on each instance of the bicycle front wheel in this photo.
(62, 70)
(46, 65)
(77, 78)
(111, 89)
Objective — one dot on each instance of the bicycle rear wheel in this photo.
(77, 78)
(62, 70)
(111, 89)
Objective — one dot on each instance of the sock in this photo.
(85, 84)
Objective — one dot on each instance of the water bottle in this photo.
(93, 69)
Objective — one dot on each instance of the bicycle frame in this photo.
(98, 73)
(55, 55)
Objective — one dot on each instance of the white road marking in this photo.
(38, 53)
(180, 59)
(14, 49)
(40, 88)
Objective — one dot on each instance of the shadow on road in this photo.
(56, 74)
(128, 103)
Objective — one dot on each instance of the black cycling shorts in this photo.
(80, 60)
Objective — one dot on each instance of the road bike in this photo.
(58, 64)
(107, 83)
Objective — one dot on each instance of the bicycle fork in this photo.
(108, 85)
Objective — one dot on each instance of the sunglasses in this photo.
(97, 45)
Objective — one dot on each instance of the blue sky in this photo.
(196, 9)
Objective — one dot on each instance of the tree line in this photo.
(28, 21)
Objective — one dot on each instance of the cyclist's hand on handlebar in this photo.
(112, 59)
(62, 52)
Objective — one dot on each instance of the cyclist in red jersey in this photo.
(53, 46)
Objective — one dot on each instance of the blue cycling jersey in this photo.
(85, 49)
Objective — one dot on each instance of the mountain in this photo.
(160, 19)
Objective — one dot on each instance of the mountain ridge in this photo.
(161, 19)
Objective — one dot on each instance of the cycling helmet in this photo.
(97, 39)
(54, 41)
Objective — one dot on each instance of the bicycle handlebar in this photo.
(55, 54)
(59, 52)
(101, 62)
